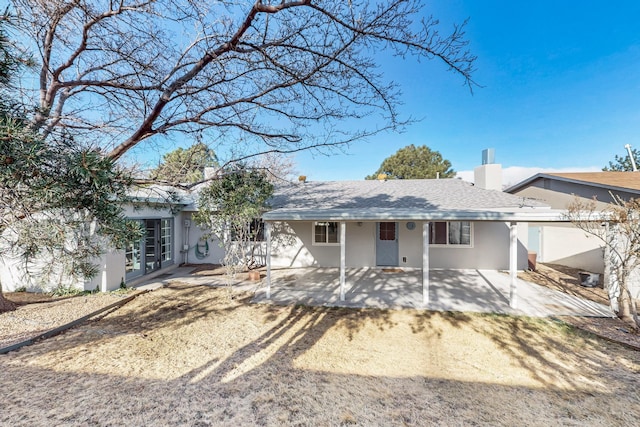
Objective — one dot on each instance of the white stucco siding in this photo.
(13, 277)
(328, 256)
(6, 276)
(564, 244)
(194, 237)
(289, 245)
(409, 245)
(111, 272)
(634, 283)
(293, 247)
(490, 249)
(44, 273)
(361, 244)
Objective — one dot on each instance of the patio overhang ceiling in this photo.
(382, 214)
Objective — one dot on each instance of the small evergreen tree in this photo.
(230, 207)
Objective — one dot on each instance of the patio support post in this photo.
(343, 257)
(513, 263)
(425, 263)
(267, 232)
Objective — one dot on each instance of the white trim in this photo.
(399, 215)
(343, 257)
(513, 264)
(425, 262)
(267, 235)
(313, 234)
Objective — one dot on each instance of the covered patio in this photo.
(350, 279)
(484, 291)
(430, 244)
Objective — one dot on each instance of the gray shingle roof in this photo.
(431, 194)
(416, 199)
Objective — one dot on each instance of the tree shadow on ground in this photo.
(271, 370)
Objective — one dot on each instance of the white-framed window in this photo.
(451, 233)
(326, 233)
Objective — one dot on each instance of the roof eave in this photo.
(529, 215)
(529, 180)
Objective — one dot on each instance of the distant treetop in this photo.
(413, 162)
(185, 166)
(623, 164)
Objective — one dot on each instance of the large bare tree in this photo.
(268, 76)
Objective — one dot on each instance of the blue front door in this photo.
(387, 244)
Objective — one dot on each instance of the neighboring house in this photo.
(562, 243)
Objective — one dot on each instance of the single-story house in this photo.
(432, 223)
(421, 224)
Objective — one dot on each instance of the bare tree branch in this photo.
(264, 72)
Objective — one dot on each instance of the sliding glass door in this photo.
(154, 251)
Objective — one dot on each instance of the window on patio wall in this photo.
(454, 233)
(326, 233)
(254, 228)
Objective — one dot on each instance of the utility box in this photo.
(589, 280)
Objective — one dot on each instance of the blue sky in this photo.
(560, 91)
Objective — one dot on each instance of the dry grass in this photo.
(38, 313)
(191, 355)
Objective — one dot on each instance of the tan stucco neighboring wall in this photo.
(564, 244)
(560, 194)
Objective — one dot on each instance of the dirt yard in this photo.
(202, 356)
(565, 279)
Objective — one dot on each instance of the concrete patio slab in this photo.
(481, 291)
(185, 274)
